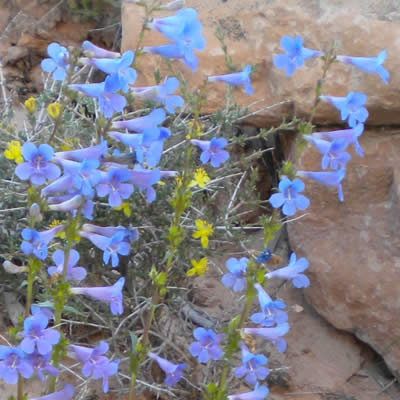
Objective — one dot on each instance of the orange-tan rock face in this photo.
(253, 30)
(354, 247)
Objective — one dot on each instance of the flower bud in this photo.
(173, 5)
(12, 268)
(34, 211)
(54, 110)
(30, 105)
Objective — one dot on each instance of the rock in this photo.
(354, 247)
(253, 31)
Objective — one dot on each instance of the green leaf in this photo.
(134, 340)
(211, 388)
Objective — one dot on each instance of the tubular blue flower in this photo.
(39, 309)
(349, 135)
(36, 336)
(236, 79)
(65, 394)
(109, 294)
(296, 54)
(121, 75)
(264, 256)
(373, 65)
(252, 368)
(104, 93)
(91, 50)
(14, 363)
(40, 364)
(334, 155)
(161, 93)
(271, 311)
(293, 272)
(85, 175)
(143, 179)
(207, 345)
(36, 242)
(148, 145)
(113, 187)
(173, 371)
(37, 167)
(109, 369)
(236, 277)
(212, 150)
(88, 153)
(57, 63)
(272, 334)
(259, 393)
(92, 359)
(174, 51)
(66, 203)
(331, 179)
(130, 235)
(73, 272)
(111, 246)
(350, 107)
(289, 196)
(141, 124)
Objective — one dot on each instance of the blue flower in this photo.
(264, 256)
(161, 93)
(236, 79)
(349, 135)
(294, 272)
(289, 196)
(143, 179)
(272, 334)
(334, 155)
(252, 368)
(236, 277)
(87, 153)
(65, 394)
(212, 150)
(91, 50)
(141, 124)
(14, 363)
(207, 345)
(296, 54)
(57, 63)
(109, 294)
(111, 246)
(40, 363)
(36, 336)
(271, 311)
(37, 167)
(173, 371)
(104, 93)
(373, 65)
(130, 235)
(332, 179)
(120, 71)
(259, 393)
(351, 107)
(113, 187)
(73, 272)
(36, 242)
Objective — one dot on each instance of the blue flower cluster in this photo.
(331, 145)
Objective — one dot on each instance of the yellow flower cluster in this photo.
(125, 207)
(30, 105)
(54, 110)
(203, 231)
(200, 178)
(13, 152)
(199, 267)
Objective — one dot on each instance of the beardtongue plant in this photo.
(122, 166)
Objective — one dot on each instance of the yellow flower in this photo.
(61, 234)
(200, 178)
(125, 207)
(54, 110)
(30, 105)
(203, 231)
(14, 152)
(199, 267)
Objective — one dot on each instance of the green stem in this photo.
(20, 388)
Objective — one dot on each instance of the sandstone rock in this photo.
(253, 31)
(354, 247)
